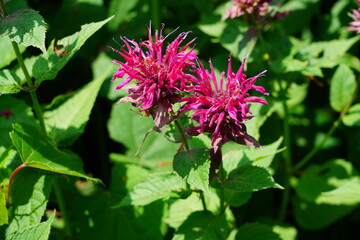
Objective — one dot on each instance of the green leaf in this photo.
(181, 209)
(261, 157)
(203, 225)
(21, 113)
(9, 82)
(121, 10)
(334, 183)
(155, 187)
(312, 216)
(249, 178)
(342, 88)
(194, 167)
(67, 122)
(256, 231)
(26, 27)
(7, 51)
(352, 118)
(37, 151)
(139, 223)
(3, 210)
(39, 231)
(29, 197)
(130, 129)
(47, 67)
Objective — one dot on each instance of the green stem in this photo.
(187, 147)
(27, 77)
(37, 108)
(311, 154)
(222, 190)
(155, 13)
(29, 82)
(287, 161)
(60, 199)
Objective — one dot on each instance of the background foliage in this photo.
(309, 132)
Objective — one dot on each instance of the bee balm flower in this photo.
(355, 25)
(221, 107)
(159, 74)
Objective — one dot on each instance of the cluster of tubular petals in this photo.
(157, 76)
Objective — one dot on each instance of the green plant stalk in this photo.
(29, 82)
(287, 161)
(222, 190)
(311, 154)
(187, 147)
(40, 118)
(60, 199)
(155, 13)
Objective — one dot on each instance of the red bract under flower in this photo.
(222, 107)
(159, 75)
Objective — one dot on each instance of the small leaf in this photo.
(157, 186)
(9, 82)
(38, 151)
(203, 225)
(29, 196)
(47, 67)
(26, 27)
(3, 210)
(352, 118)
(342, 88)
(249, 178)
(256, 231)
(67, 122)
(39, 231)
(194, 167)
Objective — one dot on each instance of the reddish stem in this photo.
(12, 177)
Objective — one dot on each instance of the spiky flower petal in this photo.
(355, 25)
(159, 75)
(222, 106)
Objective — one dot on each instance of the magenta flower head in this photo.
(256, 11)
(241, 7)
(221, 107)
(355, 25)
(160, 75)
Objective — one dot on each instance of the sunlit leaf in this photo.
(39, 231)
(3, 210)
(334, 183)
(67, 122)
(29, 197)
(9, 82)
(342, 88)
(249, 178)
(155, 187)
(38, 151)
(26, 27)
(194, 167)
(61, 51)
(352, 118)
